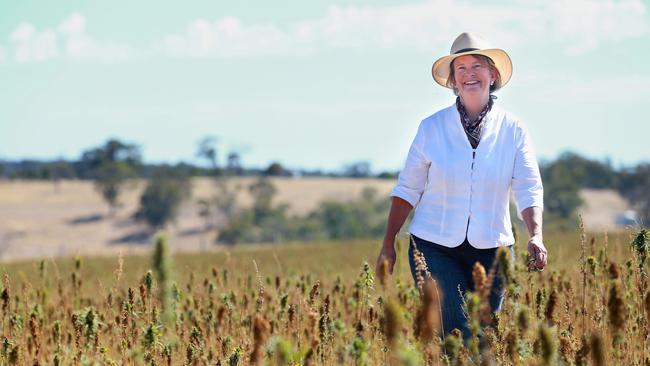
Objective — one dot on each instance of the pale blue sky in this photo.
(312, 84)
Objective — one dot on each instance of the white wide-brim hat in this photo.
(472, 44)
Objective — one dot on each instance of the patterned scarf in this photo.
(473, 128)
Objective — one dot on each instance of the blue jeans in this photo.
(452, 269)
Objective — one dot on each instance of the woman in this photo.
(460, 169)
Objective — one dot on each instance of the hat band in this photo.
(466, 50)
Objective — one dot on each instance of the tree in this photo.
(163, 196)
(262, 222)
(208, 150)
(221, 206)
(233, 166)
(360, 169)
(561, 190)
(362, 217)
(276, 169)
(588, 173)
(58, 170)
(388, 175)
(262, 192)
(110, 166)
(635, 187)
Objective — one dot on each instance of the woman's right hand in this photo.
(399, 210)
(387, 254)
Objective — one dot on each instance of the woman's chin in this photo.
(472, 90)
(472, 94)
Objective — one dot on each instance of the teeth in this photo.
(471, 82)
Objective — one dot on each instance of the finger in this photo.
(380, 263)
(539, 262)
(531, 250)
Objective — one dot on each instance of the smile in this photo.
(471, 82)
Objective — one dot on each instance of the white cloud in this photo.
(74, 24)
(224, 37)
(585, 24)
(574, 26)
(577, 26)
(69, 40)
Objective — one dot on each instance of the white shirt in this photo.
(461, 192)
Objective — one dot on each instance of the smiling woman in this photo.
(483, 65)
(459, 172)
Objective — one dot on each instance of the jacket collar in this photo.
(489, 127)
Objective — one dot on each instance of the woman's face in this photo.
(472, 76)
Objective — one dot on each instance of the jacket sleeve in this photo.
(413, 178)
(526, 180)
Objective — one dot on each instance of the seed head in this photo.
(427, 320)
(453, 345)
(505, 265)
(523, 319)
(548, 346)
(480, 279)
(511, 347)
(315, 291)
(421, 270)
(597, 351)
(614, 271)
(616, 307)
(583, 352)
(550, 307)
(392, 322)
(383, 272)
(261, 331)
(148, 281)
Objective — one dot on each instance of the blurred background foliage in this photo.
(113, 164)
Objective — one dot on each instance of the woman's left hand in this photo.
(538, 254)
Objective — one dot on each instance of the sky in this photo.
(311, 84)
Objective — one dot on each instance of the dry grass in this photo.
(316, 304)
(37, 219)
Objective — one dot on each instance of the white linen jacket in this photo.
(461, 192)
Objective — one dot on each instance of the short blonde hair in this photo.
(494, 87)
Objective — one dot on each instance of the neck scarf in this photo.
(473, 128)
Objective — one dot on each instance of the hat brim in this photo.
(441, 68)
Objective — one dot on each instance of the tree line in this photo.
(85, 167)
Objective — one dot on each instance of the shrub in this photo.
(162, 198)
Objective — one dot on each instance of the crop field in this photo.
(322, 304)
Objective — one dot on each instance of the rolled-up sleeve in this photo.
(526, 180)
(412, 179)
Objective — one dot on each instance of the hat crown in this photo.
(469, 42)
